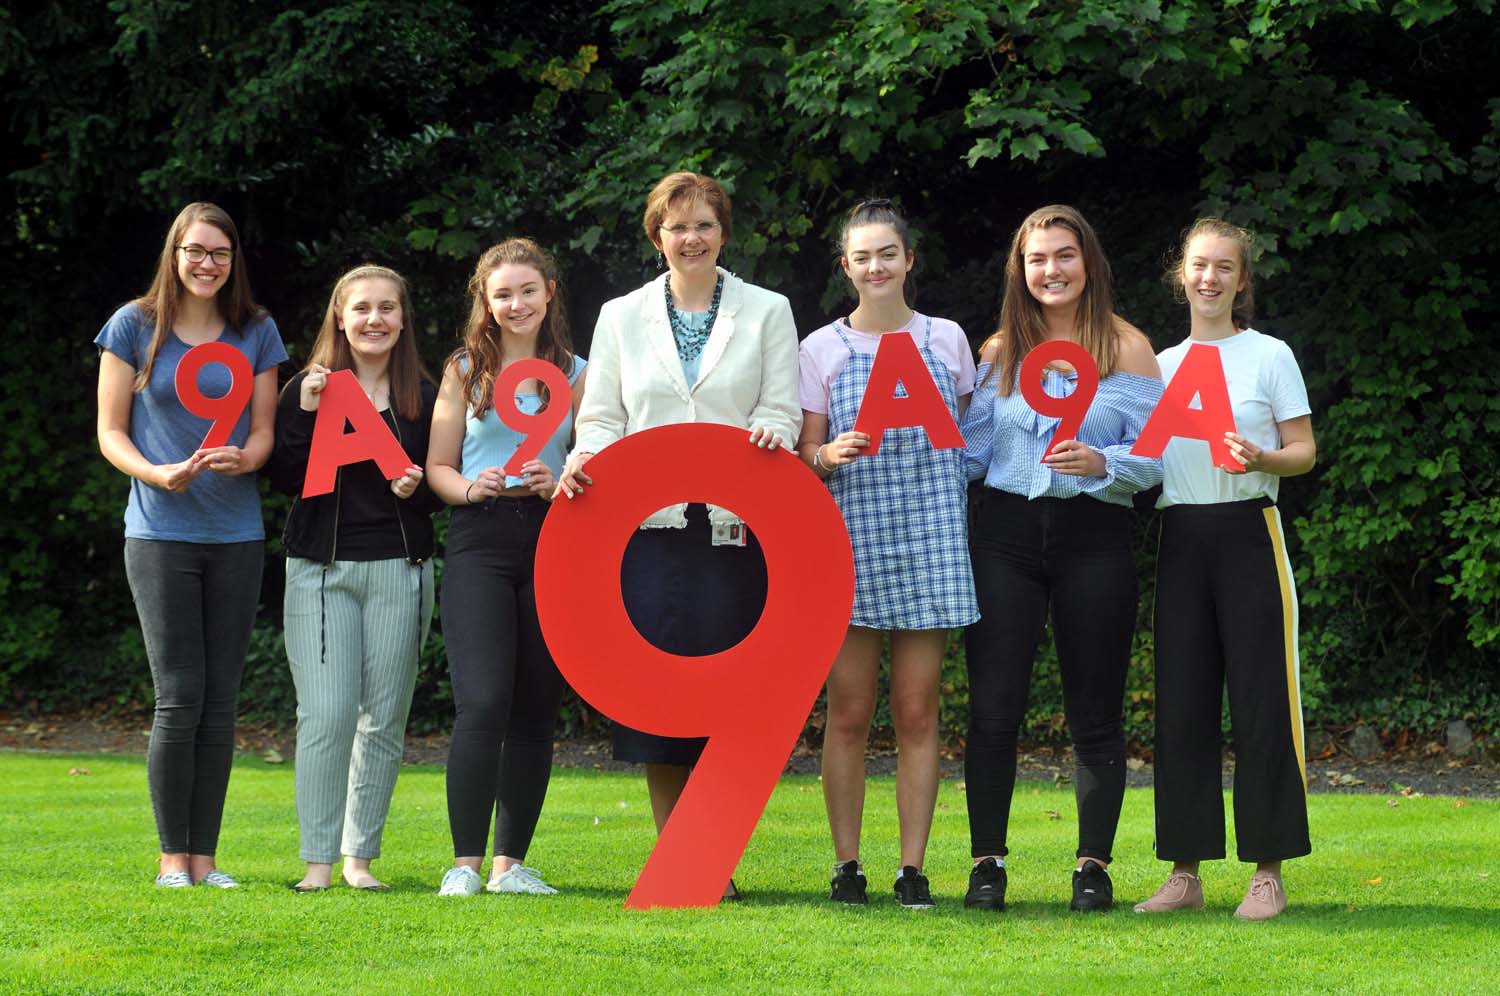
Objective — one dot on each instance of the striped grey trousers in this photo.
(354, 632)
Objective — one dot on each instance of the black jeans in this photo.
(506, 689)
(1071, 556)
(196, 603)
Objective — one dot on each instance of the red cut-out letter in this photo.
(225, 410)
(779, 667)
(332, 447)
(1075, 406)
(898, 361)
(538, 428)
(1202, 375)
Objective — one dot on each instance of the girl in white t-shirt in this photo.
(1226, 609)
(905, 508)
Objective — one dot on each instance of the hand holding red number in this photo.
(1244, 451)
(538, 477)
(406, 485)
(538, 428)
(228, 460)
(782, 663)
(226, 410)
(176, 477)
(573, 478)
(844, 448)
(311, 391)
(1075, 459)
(1075, 406)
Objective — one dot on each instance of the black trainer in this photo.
(1092, 889)
(848, 884)
(912, 891)
(986, 886)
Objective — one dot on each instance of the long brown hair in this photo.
(481, 340)
(1022, 325)
(160, 302)
(1242, 310)
(406, 372)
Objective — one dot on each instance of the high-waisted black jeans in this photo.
(1069, 558)
(196, 603)
(506, 689)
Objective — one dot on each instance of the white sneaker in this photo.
(174, 880)
(218, 880)
(460, 880)
(519, 878)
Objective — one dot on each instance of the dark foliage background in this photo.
(1350, 133)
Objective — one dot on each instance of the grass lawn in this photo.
(1396, 898)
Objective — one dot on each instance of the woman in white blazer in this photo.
(697, 344)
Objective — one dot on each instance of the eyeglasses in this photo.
(196, 254)
(702, 229)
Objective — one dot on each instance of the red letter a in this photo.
(1202, 375)
(333, 448)
(898, 361)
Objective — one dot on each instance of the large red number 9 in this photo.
(750, 700)
(224, 410)
(536, 428)
(1075, 406)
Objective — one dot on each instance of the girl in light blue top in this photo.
(1050, 536)
(194, 540)
(506, 688)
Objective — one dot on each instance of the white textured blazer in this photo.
(747, 377)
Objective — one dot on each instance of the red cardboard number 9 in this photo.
(1075, 406)
(225, 411)
(538, 428)
(751, 700)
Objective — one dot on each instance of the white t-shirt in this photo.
(1265, 388)
(823, 355)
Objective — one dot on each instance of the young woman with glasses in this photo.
(194, 537)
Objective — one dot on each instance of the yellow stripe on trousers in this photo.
(1289, 636)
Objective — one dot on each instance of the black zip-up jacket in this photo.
(312, 524)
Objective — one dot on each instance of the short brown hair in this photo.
(679, 190)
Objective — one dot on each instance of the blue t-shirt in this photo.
(489, 442)
(215, 508)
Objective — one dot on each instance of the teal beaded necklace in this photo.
(690, 340)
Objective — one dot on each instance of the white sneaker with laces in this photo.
(460, 880)
(218, 880)
(519, 878)
(174, 880)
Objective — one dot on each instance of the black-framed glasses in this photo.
(197, 253)
(702, 229)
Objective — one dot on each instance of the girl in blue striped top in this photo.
(1051, 534)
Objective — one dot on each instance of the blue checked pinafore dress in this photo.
(906, 509)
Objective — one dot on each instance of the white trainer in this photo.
(460, 880)
(218, 880)
(174, 880)
(519, 878)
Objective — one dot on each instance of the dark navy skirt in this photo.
(687, 596)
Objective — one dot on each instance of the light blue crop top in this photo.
(488, 442)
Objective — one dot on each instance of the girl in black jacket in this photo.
(359, 585)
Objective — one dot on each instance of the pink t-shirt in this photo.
(823, 355)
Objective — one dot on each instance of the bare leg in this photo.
(916, 666)
(852, 686)
(665, 783)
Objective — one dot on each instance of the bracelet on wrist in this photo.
(468, 500)
(817, 460)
